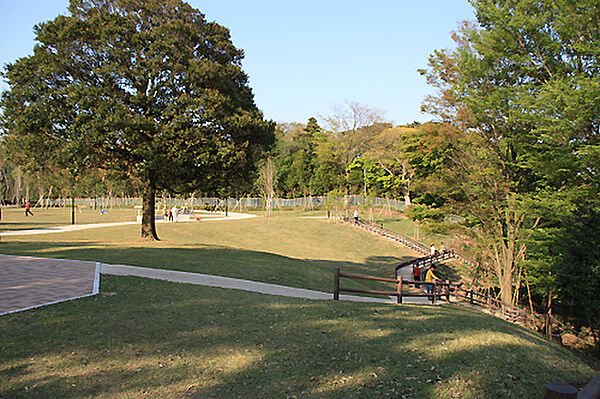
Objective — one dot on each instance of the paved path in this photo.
(28, 282)
(228, 282)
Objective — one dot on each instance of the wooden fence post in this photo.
(399, 289)
(336, 284)
(448, 290)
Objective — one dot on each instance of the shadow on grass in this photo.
(158, 339)
(224, 261)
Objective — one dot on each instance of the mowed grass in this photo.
(14, 218)
(153, 339)
(145, 338)
(294, 251)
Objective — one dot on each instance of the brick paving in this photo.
(27, 282)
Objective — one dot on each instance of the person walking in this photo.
(356, 216)
(175, 214)
(416, 274)
(28, 209)
(429, 278)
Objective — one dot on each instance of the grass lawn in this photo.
(14, 218)
(298, 252)
(145, 338)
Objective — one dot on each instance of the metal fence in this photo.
(231, 203)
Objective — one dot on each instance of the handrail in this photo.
(399, 294)
(404, 240)
(427, 260)
(512, 313)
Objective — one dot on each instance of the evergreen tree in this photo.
(146, 87)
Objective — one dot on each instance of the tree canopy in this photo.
(522, 86)
(149, 88)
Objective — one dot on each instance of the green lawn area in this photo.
(299, 252)
(145, 338)
(14, 218)
(403, 225)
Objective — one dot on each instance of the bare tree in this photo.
(267, 180)
(351, 126)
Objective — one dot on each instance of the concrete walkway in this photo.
(27, 282)
(230, 283)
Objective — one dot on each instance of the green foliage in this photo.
(363, 171)
(577, 267)
(149, 88)
(522, 86)
(422, 213)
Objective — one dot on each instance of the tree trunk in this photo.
(405, 184)
(148, 222)
(506, 295)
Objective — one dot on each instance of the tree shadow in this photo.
(316, 274)
(222, 343)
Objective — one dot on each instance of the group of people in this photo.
(171, 214)
(429, 277)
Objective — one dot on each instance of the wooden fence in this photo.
(440, 289)
(511, 313)
(426, 260)
(406, 240)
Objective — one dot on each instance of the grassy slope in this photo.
(291, 251)
(167, 340)
(145, 338)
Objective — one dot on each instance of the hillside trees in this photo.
(523, 88)
(350, 129)
(148, 88)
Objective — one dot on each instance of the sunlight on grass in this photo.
(153, 339)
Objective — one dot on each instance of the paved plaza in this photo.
(27, 282)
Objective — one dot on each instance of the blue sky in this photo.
(304, 56)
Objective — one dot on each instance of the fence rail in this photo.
(440, 289)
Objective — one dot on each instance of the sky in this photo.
(305, 57)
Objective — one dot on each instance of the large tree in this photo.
(523, 87)
(149, 88)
